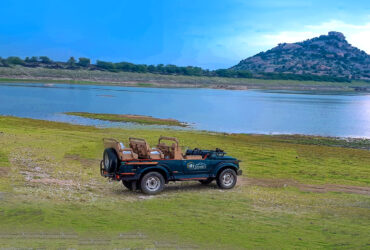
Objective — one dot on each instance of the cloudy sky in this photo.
(207, 33)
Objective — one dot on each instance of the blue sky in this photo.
(207, 33)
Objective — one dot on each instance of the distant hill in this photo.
(323, 59)
(326, 55)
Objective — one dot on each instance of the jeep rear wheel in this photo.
(227, 179)
(110, 160)
(127, 184)
(152, 183)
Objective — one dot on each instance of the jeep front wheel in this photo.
(226, 179)
(152, 183)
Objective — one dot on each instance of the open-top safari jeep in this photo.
(141, 167)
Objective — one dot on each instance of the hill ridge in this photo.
(328, 55)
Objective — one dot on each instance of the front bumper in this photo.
(239, 172)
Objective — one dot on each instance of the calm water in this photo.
(251, 111)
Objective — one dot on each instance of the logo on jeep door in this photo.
(198, 166)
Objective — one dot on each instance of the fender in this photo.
(154, 168)
(224, 164)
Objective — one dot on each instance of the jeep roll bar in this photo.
(169, 139)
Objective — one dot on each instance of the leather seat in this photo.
(122, 152)
(142, 148)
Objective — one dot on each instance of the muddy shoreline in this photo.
(130, 79)
(157, 84)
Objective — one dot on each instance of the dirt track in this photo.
(278, 183)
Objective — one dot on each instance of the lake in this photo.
(231, 111)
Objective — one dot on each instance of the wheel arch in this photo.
(159, 169)
(224, 166)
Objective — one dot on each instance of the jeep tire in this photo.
(226, 179)
(110, 160)
(152, 183)
(127, 184)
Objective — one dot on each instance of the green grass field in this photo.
(296, 192)
(25, 74)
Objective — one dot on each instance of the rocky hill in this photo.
(329, 55)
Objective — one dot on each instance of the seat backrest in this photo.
(170, 152)
(140, 147)
(176, 152)
(165, 150)
(122, 153)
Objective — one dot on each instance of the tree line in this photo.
(169, 69)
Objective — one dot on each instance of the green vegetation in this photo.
(84, 76)
(45, 60)
(83, 62)
(140, 119)
(169, 69)
(52, 196)
(303, 77)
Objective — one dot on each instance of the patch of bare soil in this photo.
(4, 171)
(84, 162)
(53, 181)
(36, 172)
(278, 183)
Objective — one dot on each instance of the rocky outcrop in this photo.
(329, 55)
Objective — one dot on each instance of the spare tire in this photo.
(110, 160)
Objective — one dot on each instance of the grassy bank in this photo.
(140, 119)
(51, 194)
(24, 74)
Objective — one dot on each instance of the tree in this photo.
(124, 66)
(160, 68)
(33, 59)
(5, 63)
(45, 59)
(244, 74)
(141, 68)
(14, 60)
(224, 72)
(105, 65)
(71, 61)
(83, 62)
(152, 68)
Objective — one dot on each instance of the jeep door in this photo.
(197, 167)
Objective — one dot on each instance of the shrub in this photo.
(45, 59)
(14, 60)
(83, 62)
